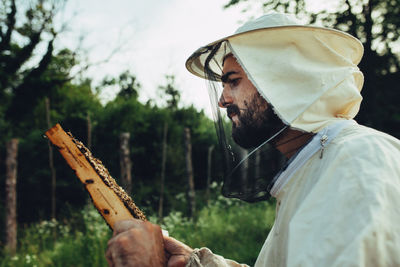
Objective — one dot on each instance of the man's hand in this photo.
(178, 254)
(136, 243)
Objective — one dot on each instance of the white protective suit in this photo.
(338, 201)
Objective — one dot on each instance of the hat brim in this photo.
(195, 63)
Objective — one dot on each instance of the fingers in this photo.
(109, 258)
(136, 243)
(173, 246)
(178, 253)
(122, 226)
(120, 249)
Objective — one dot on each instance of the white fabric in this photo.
(309, 83)
(339, 210)
(341, 42)
(309, 74)
(318, 143)
(270, 20)
(343, 209)
(203, 257)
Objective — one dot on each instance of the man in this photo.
(296, 88)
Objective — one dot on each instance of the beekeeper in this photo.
(291, 92)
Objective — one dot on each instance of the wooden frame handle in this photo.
(104, 198)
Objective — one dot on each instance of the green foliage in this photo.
(79, 242)
(79, 238)
(26, 76)
(70, 107)
(127, 82)
(171, 93)
(233, 229)
(71, 104)
(145, 123)
(82, 239)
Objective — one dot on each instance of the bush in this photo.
(228, 227)
(51, 243)
(231, 228)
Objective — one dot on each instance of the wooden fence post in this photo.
(209, 157)
(125, 163)
(163, 161)
(11, 195)
(51, 163)
(189, 173)
(89, 131)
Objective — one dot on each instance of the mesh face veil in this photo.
(305, 74)
(248, 172)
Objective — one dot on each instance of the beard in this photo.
(257, 122)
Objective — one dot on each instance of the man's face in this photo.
(252, 119)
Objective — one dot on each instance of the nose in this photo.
(225, 99)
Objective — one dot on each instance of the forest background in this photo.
(51, 204)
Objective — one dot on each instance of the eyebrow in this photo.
(224, 77)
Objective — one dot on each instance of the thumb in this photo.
(175, 247)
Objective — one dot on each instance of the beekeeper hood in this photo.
(307, 74)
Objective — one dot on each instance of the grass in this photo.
(51, 243)
(230, 228)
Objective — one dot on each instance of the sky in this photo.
(153, 38)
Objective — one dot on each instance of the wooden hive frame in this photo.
(112, 202)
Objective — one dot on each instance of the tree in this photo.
(70, 104)
(18, 47)
(162, 176)
(51, 163)
(377, 24)
(11, 196)
(33, 69)
(128, 85)
(125, 162)
(189, 173)
(152, 129)
(209, 162)
(171, 92)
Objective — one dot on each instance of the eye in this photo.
(234, 82)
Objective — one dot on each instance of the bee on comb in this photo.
(112, 202)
